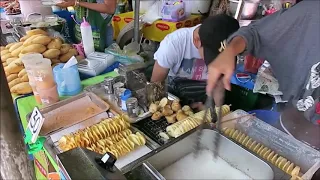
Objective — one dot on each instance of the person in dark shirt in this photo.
(290, 41)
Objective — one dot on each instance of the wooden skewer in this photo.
(248, 115)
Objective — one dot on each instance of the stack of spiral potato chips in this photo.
(110, 135)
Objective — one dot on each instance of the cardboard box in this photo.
(156, 31)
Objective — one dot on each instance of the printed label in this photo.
(116, 18)
(162, 26)
(41, 169)
(127, 20)
(178, 25)
(38, 78)
(188, 23)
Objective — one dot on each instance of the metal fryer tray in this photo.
(297, 152)
(234, 154)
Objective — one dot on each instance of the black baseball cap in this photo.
(214, 31)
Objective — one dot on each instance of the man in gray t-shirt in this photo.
(290, 41)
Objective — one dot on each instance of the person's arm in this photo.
(253, 38)
(166, 57)
(159, 73)
(108, 7)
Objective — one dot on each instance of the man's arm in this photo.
(159, 73)
(166, 57)
(250, 39)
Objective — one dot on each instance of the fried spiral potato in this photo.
(225, 109)
(177, 129)
(264, 152)
(121, 148)
(94, 133)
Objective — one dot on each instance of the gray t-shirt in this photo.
(290, 41)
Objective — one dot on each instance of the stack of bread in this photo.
(171, 110)
(36, 41)
(110, 135)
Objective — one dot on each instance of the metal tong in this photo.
(216, 99)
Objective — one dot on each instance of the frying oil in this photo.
(202, 167)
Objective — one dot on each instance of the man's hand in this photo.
(66, 3)
(223, 66)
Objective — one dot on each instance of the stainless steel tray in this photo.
(234, 154)
(51, 143)
(297, 152)
(98, 89)
(60, 122)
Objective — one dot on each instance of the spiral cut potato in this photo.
(263, 152)
(90, 135)
(111, 140)
(177, 129)
(121, 148)
(225, 109)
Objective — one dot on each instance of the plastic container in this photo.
(241, 98)
(173, 11)
(67, 79)
(36, 94)
(42, 73)
(48, 96)
(197, 6)
(29, 61)
(87, 39)
(35, 6)
(124, 97)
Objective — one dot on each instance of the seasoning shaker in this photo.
(116, 86)
(132, 107)
(108, 85)
(118, 94)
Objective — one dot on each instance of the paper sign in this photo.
(35, 123)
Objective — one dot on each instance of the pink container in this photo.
(48, 96)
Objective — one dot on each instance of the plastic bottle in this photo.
(87, 39)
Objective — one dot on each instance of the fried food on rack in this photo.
(176, 106)
(94, 133)
(181, 115)
(177, 129)
(153, 108)
(156, 116)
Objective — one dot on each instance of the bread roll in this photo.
(51, 53)
(15, 46)
(21, 88)
(65, 48)
(44, 40)
(11, 77)
(56, 43)
(35, 48)
(22, 73)
(36, 31)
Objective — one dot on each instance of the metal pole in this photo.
(14, 160)
(136, 29)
